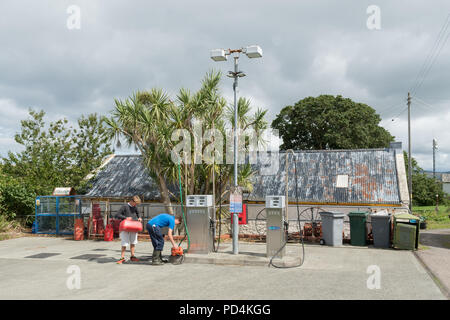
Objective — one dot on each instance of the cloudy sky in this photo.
(310, 48)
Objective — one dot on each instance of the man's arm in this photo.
(121, 213)
(171, 238)
(136, 211)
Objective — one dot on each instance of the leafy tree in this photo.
(16, 197)
(329, 122)
(147, 120)
(56, 155)
(424, 188)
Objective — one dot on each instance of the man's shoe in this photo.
(161, 258)
(155, 258)
(122, 260)
(133, 258)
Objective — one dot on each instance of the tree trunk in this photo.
(164, 191)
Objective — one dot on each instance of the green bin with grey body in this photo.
(332, 228)
(381, 230)
(358, 229)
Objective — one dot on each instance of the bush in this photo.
(432, 215)
(16, 199)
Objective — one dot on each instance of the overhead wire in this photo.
(432, 56)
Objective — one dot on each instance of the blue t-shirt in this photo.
(163, 220)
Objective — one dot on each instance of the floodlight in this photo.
(254, 51)
(218, 55)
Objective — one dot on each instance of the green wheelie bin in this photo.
(358, 229)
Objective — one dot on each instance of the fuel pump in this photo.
(277, 226)
(200, 219)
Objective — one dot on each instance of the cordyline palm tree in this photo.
(148, 118)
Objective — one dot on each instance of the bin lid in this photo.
(406, 217)
(332, 214)
(358, 214)
(380, 216)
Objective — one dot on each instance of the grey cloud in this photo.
(310, 48)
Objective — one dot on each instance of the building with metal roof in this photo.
(365, 177)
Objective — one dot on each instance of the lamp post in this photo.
(222, 55)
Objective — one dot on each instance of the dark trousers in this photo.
(156, 237)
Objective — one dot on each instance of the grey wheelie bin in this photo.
(332, 228)
(381, 230)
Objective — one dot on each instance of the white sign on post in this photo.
(236, 200)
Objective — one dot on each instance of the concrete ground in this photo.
(327, 273)
(435, 255)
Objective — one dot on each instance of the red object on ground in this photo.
(100, 226)
(130, 226)
(94, 226)
(109, 233)
(96, 211)
(78, 232)
(177, 252)
(115, 224)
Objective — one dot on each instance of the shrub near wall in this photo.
(16, 199)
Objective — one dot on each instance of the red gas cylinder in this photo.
(115, 224)
(109, 233)
(96, 210)
(78, 232)
(100, 226)
(130, 226)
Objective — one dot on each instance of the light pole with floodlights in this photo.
(222, 55)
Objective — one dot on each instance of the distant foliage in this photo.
(16, 198)
(424, 188)
(53, 155)
(329, 122)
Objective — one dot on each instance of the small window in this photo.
(342, 181)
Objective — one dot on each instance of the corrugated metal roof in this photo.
(125, 176)
(372, 178)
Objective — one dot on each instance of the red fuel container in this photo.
(109, 233)
(130, 226)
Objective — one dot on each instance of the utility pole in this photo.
(409, 153)
(434, 158)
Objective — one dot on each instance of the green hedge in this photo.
(16, 199)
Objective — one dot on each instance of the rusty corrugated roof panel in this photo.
(125, 176)
(372, 177)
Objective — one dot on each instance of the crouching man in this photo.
(129, 211)
(154, 227)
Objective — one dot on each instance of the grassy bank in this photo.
(435, 220)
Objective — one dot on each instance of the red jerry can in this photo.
(130, 226)
(78, 232)
(109, 233)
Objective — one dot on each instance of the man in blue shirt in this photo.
(154, 230)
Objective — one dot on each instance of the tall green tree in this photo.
(330, 122)
(424, 188)
(147, 120)
(56, 155)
